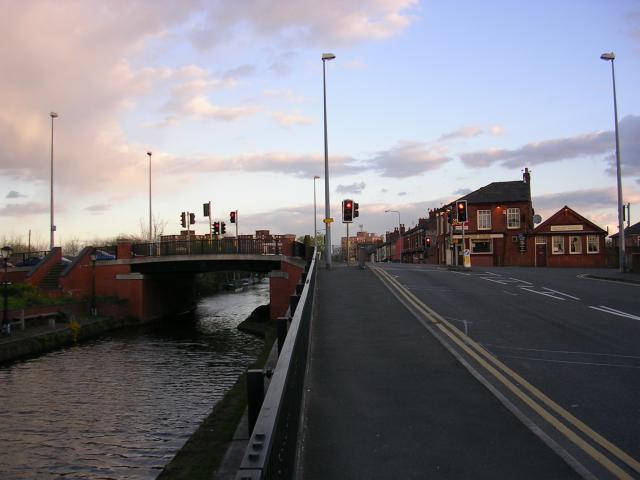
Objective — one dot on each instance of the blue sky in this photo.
(426, 100)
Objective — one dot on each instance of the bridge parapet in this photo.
(273, 441)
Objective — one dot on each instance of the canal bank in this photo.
(37, 340)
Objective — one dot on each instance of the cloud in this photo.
(14, 194)
(98, 208)
(336, 23)
(585, 145)
(301, 166)
(407, 159)
(24, 209)
(355, 64)
(383, 190)
(465, 132)
(402, 194)
(579, 200)
(287, 120)
(241, 71)
(354, 188)
(462, 191)
(496, 130)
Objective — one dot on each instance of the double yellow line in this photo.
(530, 395)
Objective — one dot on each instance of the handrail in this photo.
(272, 445)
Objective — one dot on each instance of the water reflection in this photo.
(121, 406)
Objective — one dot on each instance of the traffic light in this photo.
(216, 228)
(183, 219)
(206, 209)
(223, 228)
(232, 217)
(449, 216)
(461, 207)
(347, 211)
(428, 242)
(192, 218)
(356, 213)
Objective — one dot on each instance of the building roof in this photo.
(567, 214)
(631, 230)
(498, 192)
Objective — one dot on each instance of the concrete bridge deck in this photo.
(385, 399)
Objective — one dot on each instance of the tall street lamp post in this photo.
(327, 210)
(150, 217)
(610, 57)
(315, 215)
(6, 326)
(399, 231)
(52, 226)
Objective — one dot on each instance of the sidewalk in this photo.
(384, 399)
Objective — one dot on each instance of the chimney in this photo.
(526, 176)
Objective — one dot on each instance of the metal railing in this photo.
(205, 245)
(28, 259)
(272, 448)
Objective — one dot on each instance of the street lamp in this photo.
(399, 230)
(327, 210)
(150, 218)
(6, 326)
(53, 227)
(315, 215)
(611, 57)
(94, 308)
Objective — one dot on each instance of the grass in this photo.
(203, 453)
(21, 295)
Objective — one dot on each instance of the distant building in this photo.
(631, 246)
(361, 239)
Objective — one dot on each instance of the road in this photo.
(576, 340)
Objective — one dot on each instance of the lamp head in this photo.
(328, 56)
(6, 252)
(53, 115)
(608, 56)
(315, 177)
(149, 153)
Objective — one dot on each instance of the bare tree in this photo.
(158, 225)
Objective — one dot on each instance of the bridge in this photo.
(157, 279)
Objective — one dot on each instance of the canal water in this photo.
(122, 406)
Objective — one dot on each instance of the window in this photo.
(541, 240)
(558, 245)
(575, 244)
(593, 244)
(481, 246)
(484, 219)
(513, 218)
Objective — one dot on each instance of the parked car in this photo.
(102, 255)
(29, 262)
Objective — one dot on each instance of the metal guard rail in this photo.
(272, 446)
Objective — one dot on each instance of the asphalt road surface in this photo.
(574, 339)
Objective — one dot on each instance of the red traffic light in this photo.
(232, 217)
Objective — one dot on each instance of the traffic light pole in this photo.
(237, 238)
(210, 227)
(347, 244)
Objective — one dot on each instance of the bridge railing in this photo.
(272, 448)
(205, 245)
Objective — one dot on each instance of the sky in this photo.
(426, 101)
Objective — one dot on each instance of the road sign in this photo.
(327, 220)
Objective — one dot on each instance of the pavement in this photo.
(384, 399)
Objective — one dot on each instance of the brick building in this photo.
(362, 239)
(567, 239)
(499, 227)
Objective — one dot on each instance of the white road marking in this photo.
(560, 293)
(521, 281)
(585, 276)
(541, 293)
(590, 364)
(492, 280)
(561, 352)
(613, 311)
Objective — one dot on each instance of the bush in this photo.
(21, 295)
